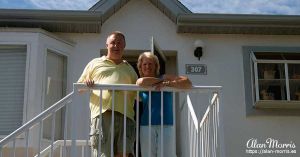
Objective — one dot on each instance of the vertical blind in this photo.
(12, 83)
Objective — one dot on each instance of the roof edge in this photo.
(171, 8)
(53, 20)
(238, 24)
(238, 18)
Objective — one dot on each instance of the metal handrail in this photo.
(208, 110)
(131, 87)
(76, 86)
(35, 120)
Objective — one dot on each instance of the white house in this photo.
(255, 58)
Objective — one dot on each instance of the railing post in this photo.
(86, 147)
(137, 123)
(14, 148)
(112, 125)
(27, 141)
(162, 122)
(100, 124)
(221, 123)
(73, 129)
(174, 119)
(53, 132)
(1, 151)
(65, 130)
(40, 137)
(150, 121)
(60, 151)
(124, 124)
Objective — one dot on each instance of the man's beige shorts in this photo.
(106, 133)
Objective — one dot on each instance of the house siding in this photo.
(223, 56)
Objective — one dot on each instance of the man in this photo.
(111, 69)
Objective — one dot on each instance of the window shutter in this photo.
(12, 82)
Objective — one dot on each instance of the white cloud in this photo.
(288, 7)
(63, 4)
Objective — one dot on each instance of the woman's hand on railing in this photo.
(159, 85)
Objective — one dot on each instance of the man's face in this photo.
(115, 46)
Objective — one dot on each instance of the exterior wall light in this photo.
(198, 52)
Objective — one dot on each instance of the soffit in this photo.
(52, 20)
(238, 24)
(187, 22)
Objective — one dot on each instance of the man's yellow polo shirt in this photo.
(105, 71)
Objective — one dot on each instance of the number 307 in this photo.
(196, 69)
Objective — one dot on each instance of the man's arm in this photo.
(85, 76)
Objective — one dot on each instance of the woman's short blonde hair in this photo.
(148, 55)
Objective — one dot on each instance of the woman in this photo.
(148, 66)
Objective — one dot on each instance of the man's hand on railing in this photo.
(89, 83)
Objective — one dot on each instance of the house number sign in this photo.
(196, 69)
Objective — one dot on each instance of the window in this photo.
(276, 79)
(12, 84)
(272, 79)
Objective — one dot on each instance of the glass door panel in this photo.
(55, 90)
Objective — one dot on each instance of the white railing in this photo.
(10, 145)
(60, 144)
(204, 136)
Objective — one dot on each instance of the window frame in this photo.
(48, 49)
(251, 81)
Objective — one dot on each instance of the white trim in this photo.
(43, 81)
(56, 51)
(252, 79)
(26, 86)
(287, 83)
(277, 61)
(256, 81)
(155, 45)
(38, 30)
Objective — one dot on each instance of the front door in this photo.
(160, 55)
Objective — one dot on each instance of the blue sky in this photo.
(282, 7)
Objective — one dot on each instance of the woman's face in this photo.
(148, 67)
